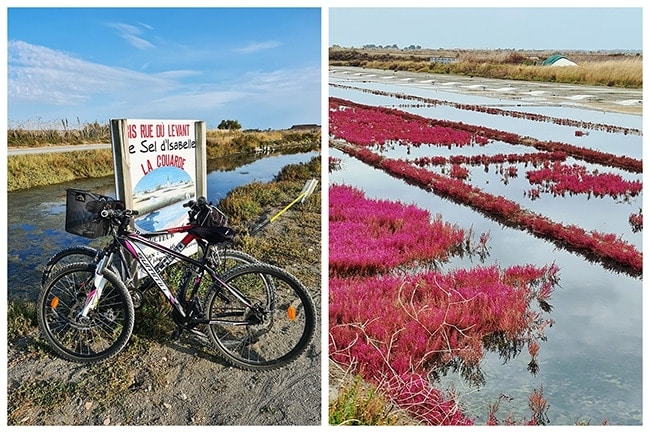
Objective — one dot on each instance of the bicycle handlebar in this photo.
(196, 207)
(117, 213)
(108, 213)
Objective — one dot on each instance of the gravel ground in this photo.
(178, 384)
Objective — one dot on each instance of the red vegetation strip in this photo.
(636, 221)
(559, 178)
(368, 125)
(396, 330)
(510, 113)
(536, 159)
(593, 245)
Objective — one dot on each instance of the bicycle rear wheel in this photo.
(79, 253)
(270, 334)
(102, 333)
(224, 259)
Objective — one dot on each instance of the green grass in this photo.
(21, 318)
(28, 171)
(33, 170)
(360, 404)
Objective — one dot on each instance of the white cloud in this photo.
(55, 84)
(257, 46)
(180, 73)
(37, 73)
(138, 42)
(131, 34)
(146, 26)
(282, 81)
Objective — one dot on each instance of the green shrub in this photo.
(359, 404)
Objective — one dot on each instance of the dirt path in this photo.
(55, 149)
(177, 383)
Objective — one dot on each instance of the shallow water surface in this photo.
(590, 368)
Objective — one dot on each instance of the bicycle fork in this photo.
(99, 281)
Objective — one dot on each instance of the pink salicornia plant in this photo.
(365, 125)
(559, 179)
(607, 248)
(404, 330)
(372, 236)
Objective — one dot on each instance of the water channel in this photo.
(591, 365)
(36, 216)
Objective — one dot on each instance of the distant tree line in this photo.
(394, 46)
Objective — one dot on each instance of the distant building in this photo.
(558, 60)
(305, 127)
(443, 60)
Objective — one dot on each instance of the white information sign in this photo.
(159, 165)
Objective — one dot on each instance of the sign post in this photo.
(159, 165)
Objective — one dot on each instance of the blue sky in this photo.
(592, 28)
(261, 67)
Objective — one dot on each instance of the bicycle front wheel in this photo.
(99, 335)
(270, 332)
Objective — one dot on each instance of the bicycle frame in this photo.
(133, 242)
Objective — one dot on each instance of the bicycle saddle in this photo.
(214, 235)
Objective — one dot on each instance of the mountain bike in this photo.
(257, 316)
(200, 212)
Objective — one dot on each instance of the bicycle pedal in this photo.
(176, 334)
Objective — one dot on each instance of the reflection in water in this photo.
(598, 315)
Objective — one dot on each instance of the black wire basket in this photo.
(82, 213)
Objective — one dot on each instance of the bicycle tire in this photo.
(285, 329)
(103, 333)
(79, 253)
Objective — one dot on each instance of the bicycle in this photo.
(257, 316)
(200, 212)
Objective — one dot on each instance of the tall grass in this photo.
(593, 69)
(224, 142)
(26, 171)
(359, 403)
(613, 73)
(30, 135)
